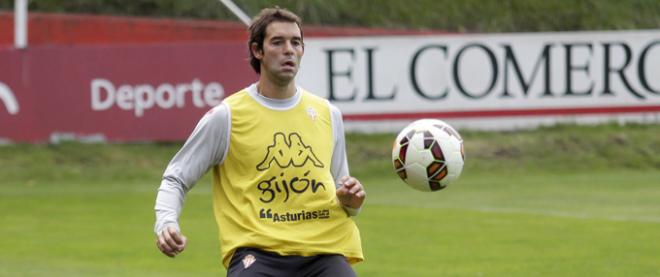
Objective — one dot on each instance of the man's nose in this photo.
(288, 48)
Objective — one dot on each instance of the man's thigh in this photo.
(329, 266)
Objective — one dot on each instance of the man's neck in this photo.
(275, 91)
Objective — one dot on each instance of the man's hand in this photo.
(351, 193)
(171, 242)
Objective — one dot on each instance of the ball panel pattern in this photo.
(437, 152)
(428, 155)
(435, 185)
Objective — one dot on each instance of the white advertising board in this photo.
(487, 81)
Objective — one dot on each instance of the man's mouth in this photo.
(289, 64)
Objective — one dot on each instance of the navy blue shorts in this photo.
(252, 262)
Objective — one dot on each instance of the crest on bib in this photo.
(248, 260)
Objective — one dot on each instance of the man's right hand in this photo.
(171, 242)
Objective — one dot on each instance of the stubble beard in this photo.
(282, 79)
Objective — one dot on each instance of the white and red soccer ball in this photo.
(428, 154)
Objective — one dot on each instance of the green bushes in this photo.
(449, 15)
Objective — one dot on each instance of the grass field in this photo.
(561, 201)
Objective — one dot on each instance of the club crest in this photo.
(312, 113)
(248, 260)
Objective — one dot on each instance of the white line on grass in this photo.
(564, 214)
(577, 215)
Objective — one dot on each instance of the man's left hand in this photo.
(351, 193)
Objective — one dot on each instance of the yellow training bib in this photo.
(274, 190)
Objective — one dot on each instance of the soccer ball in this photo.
(428, 154)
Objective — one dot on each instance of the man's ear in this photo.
(256, 52)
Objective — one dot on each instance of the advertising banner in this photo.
(116, 93)
(495, 81)
(499, 81)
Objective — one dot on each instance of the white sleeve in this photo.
(205, 148)
(339, 164)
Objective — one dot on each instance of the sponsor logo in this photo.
(8, 99)
(288, 151)
(280, 185)
(143, 97)
(523, 68)
(267, 214)
(248, 260)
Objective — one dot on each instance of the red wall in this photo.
(53, 87)
(45, 29)
(52, 80)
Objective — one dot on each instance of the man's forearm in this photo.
(169, 203)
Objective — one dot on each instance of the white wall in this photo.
(493, 81)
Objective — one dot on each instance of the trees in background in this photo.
(449, 15)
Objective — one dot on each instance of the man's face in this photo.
(281, 53)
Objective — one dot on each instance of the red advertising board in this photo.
(118, 93)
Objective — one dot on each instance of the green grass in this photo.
(561, 201)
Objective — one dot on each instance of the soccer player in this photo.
(282, 196)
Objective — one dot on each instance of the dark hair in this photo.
(258, 29)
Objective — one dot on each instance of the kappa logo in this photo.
(291, 151)
(8, 99)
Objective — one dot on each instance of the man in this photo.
(282, 196)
